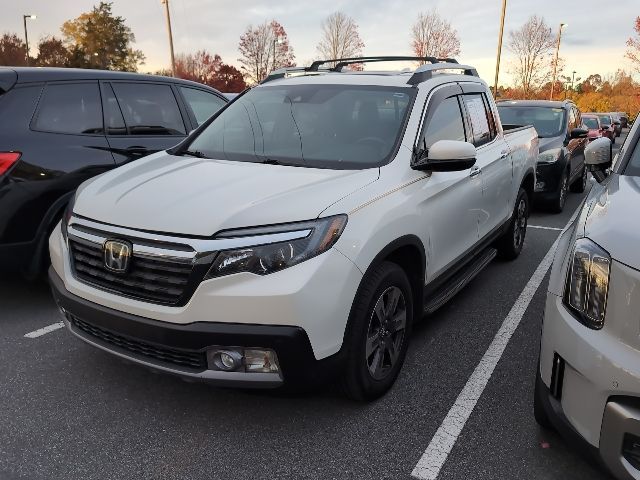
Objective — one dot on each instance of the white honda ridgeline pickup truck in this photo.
(301, 230)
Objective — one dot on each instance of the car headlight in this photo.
(66, 216)
(268, 256)
(587, 284)
(550, 156)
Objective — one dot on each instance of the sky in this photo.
(593, 41)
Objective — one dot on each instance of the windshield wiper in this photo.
(193, 153)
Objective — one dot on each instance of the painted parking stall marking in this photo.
(435, 456)
(541, 227)
(44, 330)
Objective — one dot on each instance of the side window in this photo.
(113, 119)
(578, 118)
(493, 128)
(70, 108)
(444, 124)
(478, 116)
(572, 119)
(203, 104)
(149, 109)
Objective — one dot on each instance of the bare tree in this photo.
(532, 46)
(340, 38)
(264, 48)
(433, 36)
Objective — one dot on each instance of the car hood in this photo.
(192, 196)
(613, 221)
(549, 143)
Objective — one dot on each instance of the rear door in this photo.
(493, 159)
(142, 118)
(575, 146)
(449, 200)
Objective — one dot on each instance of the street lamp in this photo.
(555, 63)
(276, 40)
(495, 85)
(26, 36)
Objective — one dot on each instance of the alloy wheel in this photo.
(520, 226)
(386, 332)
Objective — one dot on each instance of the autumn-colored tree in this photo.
(340, 39)
(13, 51)
(591, 84)
(264, 48)
(229, 79)
(532, 44)
(209, 69)
(633, 44)
(99, 39)
(52, 53)
(433, 36)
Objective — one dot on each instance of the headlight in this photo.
(316, 237)
(588, 283)
(550, 156)
(66, 216)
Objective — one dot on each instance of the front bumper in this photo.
(139, 340)
(548, 177)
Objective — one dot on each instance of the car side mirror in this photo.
(448, 156)
(597, 158)
(579, 133)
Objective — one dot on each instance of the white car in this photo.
(588, 382)
(299, 232)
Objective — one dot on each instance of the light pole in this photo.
(555, 63)
(276, 41)
(495, 85)
(26, 36)
(168, 16)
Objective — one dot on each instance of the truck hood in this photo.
(613, 221)
(192, 196)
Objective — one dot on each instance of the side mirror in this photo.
(597, 158)
(579, 133)
(448, 156)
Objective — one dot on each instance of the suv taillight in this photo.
(7, 160)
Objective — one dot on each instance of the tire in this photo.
(510, 244)
(580, 184)
(557, 204)
(376, 351)
(539, 413)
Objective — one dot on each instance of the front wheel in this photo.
(510, 244)
(378, 334)
(557, 205)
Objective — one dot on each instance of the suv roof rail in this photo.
(422, 73)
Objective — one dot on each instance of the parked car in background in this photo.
(588, 379)
(59, 127)
(592, 124)
(624, 119)
(617, 124)
(608, 128)
(563, 137)
(326, 212)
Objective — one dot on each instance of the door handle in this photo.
(475, 171)
(504, 154)
(137, 150)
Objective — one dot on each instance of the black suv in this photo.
(59, 127)
(563, 139)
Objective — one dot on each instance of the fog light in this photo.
(260, 361)
(631, 450)
(226, 360)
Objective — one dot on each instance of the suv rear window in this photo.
(149, 109)
(72, 108)
(322, 126)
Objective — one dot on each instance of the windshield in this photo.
(605, 120)
(323, 126)
(591, 123)
(549, 122)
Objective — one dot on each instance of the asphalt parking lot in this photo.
(70, 411)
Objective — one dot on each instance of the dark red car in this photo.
(593, 125)
(607, 127)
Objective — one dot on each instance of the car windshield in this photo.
(590, 122)
(605, 120)
(548, 121)
(320, 126)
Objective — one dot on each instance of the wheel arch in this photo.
(528, 183)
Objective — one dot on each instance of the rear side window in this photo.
(149, 109)
(445, 124)
(203, 104)
(72, 108)
(477, 112)
(573, 119)
(113, 119)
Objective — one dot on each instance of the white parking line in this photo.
(545, 228)
(44, 330)
(434, 457)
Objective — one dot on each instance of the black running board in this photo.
(458, 281)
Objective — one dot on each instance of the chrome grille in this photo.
(185, 358)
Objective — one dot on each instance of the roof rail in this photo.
(425, 72)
